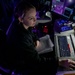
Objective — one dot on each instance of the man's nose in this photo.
(35, 20)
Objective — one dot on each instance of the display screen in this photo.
(57, 6)
(62, 7)
(67, 12)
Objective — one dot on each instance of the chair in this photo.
(2, 44)
(2, 53)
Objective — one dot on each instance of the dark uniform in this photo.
(23, 54)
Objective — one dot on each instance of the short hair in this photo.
(22, 7)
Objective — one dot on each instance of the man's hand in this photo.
(38, 44)
(68, 64)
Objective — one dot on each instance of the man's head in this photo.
(26, 14)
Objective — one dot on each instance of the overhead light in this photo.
(70, 0)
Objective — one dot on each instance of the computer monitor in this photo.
(62, 7)
(67, 12)
(57, 6)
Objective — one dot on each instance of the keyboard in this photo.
(64, 50)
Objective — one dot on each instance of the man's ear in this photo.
(20, 19)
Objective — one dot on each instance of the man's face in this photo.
(30, 18)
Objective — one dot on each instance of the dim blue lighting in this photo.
(65, 28)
